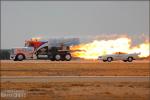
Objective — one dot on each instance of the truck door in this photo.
(42, 53)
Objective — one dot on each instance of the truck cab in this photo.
(21, 53)
(26, 52)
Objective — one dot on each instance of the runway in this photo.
(72, 61)
(74, 68)
(75, 78)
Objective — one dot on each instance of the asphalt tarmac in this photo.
(75, 78)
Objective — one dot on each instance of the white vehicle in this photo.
(20, 53)
(119, 56)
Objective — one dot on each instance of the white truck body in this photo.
(119, 56)
(27, 51)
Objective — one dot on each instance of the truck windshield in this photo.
(29, 44)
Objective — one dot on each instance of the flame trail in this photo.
(98, 48)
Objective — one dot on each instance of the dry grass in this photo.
(78, 90)
(88, 68)
(82, 91)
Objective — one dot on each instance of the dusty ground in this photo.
(74, 68)
(77, 90)
(81, 91)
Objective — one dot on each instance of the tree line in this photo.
(5, 54)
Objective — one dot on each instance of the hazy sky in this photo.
(83, 19)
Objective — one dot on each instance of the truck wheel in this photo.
(130, 59)
(20, 57)
(57, 57)
(109, 59)
(52, 59)
(15, 59)
(62, 59)
(104, 60)
(125, 60)
(68, 57)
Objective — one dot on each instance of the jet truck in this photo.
(53, 49)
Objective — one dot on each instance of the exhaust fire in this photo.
(98, 48)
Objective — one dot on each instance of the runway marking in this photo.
(75, 78)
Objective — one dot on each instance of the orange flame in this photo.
(35, 39)
(98, 48)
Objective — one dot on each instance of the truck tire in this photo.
(63, 58)
(52, 59)
(109, 59)
(57, 57)
(68, 57)
(15, 59)
(19, 57)
(104, 60)
(125, 60)
(130, 59)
